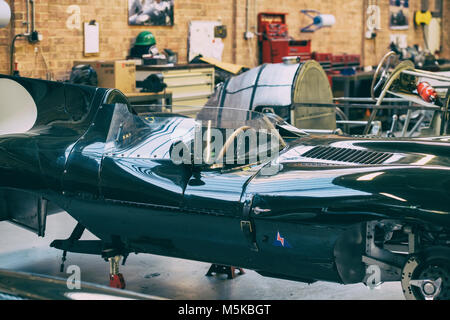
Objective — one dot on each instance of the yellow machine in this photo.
(422, 18)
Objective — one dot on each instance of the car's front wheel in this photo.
(425, 275)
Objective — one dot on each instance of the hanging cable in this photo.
(13, 49)
(48, 73)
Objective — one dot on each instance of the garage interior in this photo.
(181, 58)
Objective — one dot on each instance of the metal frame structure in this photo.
(385, 76)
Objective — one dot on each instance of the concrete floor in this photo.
(170, 278)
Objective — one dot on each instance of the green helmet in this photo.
(145, 38)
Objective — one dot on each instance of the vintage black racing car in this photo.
(232, 187)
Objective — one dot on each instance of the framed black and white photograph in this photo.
(398, 14)
(150, 12)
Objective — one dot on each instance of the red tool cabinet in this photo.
(275, 42)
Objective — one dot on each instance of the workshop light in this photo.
(84, 296)
(425, 160)
(370, 177)
(5, 14)
(393, 197)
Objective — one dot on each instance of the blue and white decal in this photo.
(280, 241)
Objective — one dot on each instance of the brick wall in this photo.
(5, 40)
(446, 28)
(61, 46)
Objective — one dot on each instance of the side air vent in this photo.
(347, 155)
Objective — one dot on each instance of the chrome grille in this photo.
(348, 155)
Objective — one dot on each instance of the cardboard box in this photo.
(118, 74)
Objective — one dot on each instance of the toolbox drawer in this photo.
(191, 85)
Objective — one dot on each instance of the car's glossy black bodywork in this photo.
(306, 221)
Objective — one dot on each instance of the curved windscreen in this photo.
(217, 137)
(145, 136)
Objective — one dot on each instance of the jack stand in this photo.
(74, 237)
(229, 271)
(63, 261)
(116, 279)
